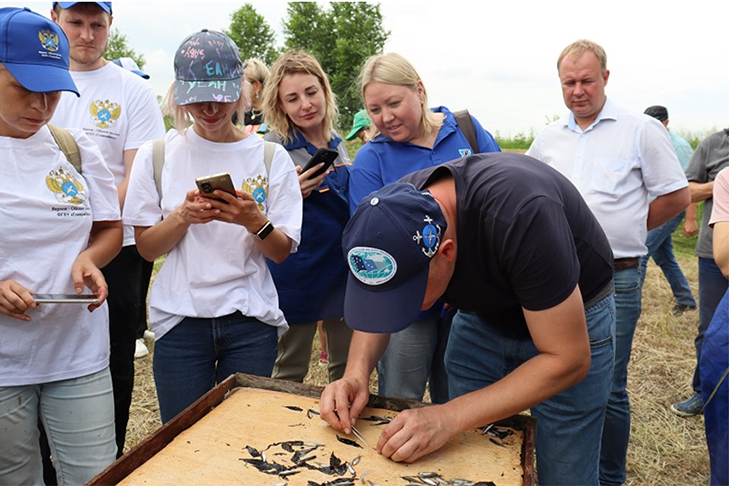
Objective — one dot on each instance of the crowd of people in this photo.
(499, 282)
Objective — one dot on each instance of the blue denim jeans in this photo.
(570, 423)
(712, 287)
(616, 432)
(412, 359)
(199, 353)
(660, 247)
(78, 415)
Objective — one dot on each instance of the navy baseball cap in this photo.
(388, 243)
(105, 6)
(35, 51)
(208, 68)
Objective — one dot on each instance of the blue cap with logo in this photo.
(389, 243)
(105, 6)
(208, 68)
(35, 51)
(130, 65)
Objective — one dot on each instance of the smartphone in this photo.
(220, 181)
(66, 298)
(328, 156)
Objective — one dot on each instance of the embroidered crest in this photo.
(257, 187)
(371, 266)
(104, 114)
(429, 238)
(66, 187)
(49, 40)
(465, 152)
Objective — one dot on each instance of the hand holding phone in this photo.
(328, 156)
(210, 183)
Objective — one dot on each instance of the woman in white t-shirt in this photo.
(60, 224)
(213, 305)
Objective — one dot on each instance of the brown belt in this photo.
(625, 263)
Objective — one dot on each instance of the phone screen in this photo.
(66, 298)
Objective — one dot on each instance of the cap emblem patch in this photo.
(371, 266)
(429, 238)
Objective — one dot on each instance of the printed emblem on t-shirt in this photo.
(67, 189)
(104, 114)
(49, 40)
(258, 188)
(371, 266)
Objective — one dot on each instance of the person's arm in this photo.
(122, 188)
(104, 245)
(701, 192)
(690, 226)
(352, 391)
(563, 361)
(664, 208)
(721, 246)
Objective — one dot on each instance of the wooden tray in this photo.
(224, 438)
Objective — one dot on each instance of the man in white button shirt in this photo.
(618, 160)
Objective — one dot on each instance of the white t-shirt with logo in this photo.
(216, 269)
(118, 110)
(46, 214)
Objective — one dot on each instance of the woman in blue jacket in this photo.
(300, 110)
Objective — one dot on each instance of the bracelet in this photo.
(265, 230)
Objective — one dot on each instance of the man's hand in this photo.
(342, 401)
(415, 433)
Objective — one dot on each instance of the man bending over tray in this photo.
(509, 242)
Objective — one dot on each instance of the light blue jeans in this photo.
(78, 415)
(617, 417)
(411, 360)
(660, 247)
(570, 423)
(199, 353)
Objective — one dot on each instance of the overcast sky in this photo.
(498, 59)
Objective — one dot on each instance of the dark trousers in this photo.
(145, 277)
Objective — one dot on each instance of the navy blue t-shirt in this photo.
(525, 238)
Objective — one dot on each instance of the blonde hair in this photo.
(255, 70)
(277, 120)
(181, 118)
(392, 68)
(579, 47)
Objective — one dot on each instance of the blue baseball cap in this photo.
(105, 6)
(389, 242)
(130, 65)
(35, 51)
(208, 68)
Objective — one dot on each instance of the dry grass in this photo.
(664, 449)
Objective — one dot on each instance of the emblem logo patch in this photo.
(371, 266)
(49, 40)
(104, 114)
(258, 187)
(67, 189)
(429, 238)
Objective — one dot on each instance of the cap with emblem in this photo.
(35, 51)
(105, 6)
(388, 244)
(208, 68)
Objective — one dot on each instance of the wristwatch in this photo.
(265, 230)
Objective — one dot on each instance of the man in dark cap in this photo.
(660, 240)
(511, 243)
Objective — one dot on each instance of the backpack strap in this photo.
(268, 149)
(465, 123)
(158, 161)
(68, 145)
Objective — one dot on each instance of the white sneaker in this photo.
(141, 349)
(149, 335)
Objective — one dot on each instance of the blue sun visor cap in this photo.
(388, 243)
(35, 51)
(105, 6)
